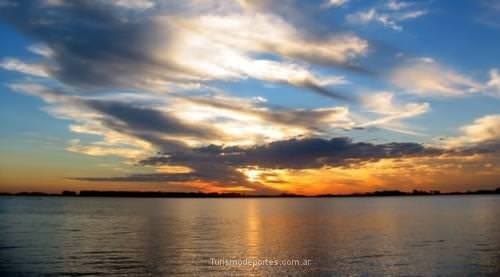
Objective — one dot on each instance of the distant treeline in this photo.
(412, 193)
(96, 193)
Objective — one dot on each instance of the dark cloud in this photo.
(219, 164)
(221, 174)
(146, 119)
(153, 177)
(94, 45)
(491, 146)
(296, 154)
(328, 92)
(162, 129)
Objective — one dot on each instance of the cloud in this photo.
(428, 78)
(293, 164)
(397, 5)
(220, 175)
(135, 130)
(233, 166)
(177, 122)
(207, 172)
(371, 15)
(270, 33)
(120, 123)
(317, 154)
(37, 70)
(411, 15)
(391, 15)
(392, 113)
(383, 103)
(102, 47)
(493, 85)
(295, 154)
(488, 13)
(134, 4)
(41, 50)
(152, 177)
(97, 150)
(246, 113)
(220, 47)
(334, 3)
(151, 122)
(124, 116)
(33, 89)
(483, 131)
(177, 44)
(138, 79)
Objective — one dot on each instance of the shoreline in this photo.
(160, 194)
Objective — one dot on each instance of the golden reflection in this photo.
(252, 229)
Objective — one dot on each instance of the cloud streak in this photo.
(36, 70)
(426, 77)
(391, 15)
(392, 113)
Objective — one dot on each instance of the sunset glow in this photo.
(247, 96)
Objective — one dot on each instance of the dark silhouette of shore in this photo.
(160, 194)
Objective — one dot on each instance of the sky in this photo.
(256, 97)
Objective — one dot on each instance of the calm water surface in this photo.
(410, 236)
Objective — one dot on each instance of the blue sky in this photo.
(94, 91)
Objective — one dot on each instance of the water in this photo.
(410, 236)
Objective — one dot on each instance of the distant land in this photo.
(160, 194)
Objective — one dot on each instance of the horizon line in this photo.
(199, 194)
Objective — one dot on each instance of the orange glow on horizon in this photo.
(445, 173)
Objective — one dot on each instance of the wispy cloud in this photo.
(134, 4)
(391, 15)
(383, 103)
(334, 3)
(426, 77)
(397, 5)
(33, 69)
(430, 78)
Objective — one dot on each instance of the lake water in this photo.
(410, 236)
